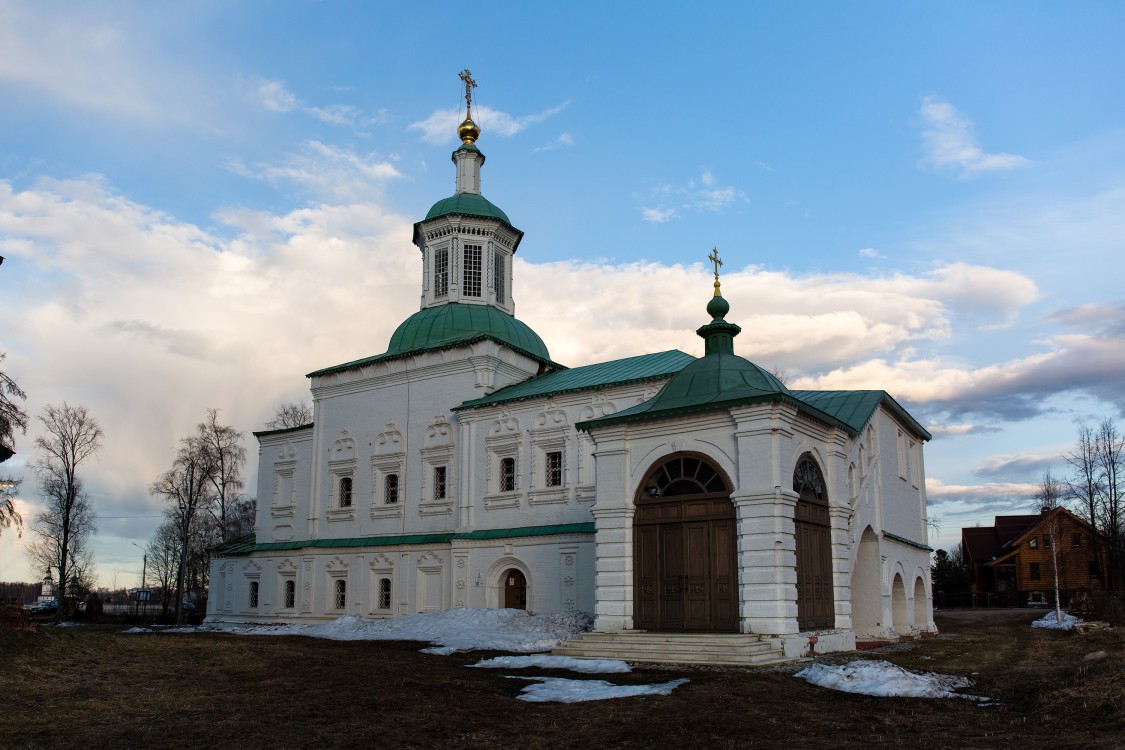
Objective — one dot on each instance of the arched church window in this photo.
(806, 479)
(345, 492)
(253, 595)
(290, 594)
(472, 271)
(684, 475)
(390, 489)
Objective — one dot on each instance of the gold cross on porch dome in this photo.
(468, 131)
(714, 258)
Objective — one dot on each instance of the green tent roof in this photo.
(616, 372)
(454, 324)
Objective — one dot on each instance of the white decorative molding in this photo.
(389, 440)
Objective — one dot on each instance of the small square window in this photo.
(439, 483)
(554, 469)
(1034, 571)
(253, 595)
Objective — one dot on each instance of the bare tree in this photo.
(1049, 498)
(164, 559)
(12, 418)
(288, 415)
(227, 455)
(1110, 446)
(71, 436)
(188, 488)
(1084, 487)
(240, 520)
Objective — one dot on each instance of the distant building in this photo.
(463, 467)
(1015, 558)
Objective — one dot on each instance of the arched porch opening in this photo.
(685, 574)
(867, 595)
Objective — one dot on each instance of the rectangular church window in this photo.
(390, 489)
(441, 273)
(554, 471)
(341, 593)
(384, 593)
(439, 483)
(472, 274)
(253, 595)
(498, 275)
(507, 475)
(345, 492)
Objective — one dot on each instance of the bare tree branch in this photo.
(290, 415)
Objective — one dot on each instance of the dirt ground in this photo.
(95, 687)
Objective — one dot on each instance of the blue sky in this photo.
(201, 202)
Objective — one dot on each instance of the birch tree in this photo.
(12, 418)
(226, 455)
(1049, 499)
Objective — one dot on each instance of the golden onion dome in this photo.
(468, 131)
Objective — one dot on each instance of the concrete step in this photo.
(673, 648)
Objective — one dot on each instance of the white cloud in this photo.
(949, 143)
(869, 252)
(441, 126)
(564, 139)
(658, 216)
(702, 194)
(273, 96)
(326, 172)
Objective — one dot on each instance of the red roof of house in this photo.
(983, 543)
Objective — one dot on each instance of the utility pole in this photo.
(143, 594)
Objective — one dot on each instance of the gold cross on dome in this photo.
(714, 258)
(470, 84)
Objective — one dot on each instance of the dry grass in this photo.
(96, 688)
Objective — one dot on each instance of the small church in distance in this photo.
(463, 467)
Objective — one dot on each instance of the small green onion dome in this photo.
(718, 307)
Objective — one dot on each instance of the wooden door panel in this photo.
(697, 570)
(671, 576)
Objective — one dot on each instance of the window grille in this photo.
(508, 475)
(439, 483)
(345, 492)
(498, 275)
(441, 273)
(472, 275)
(554, 469)
(290, 594)
(384, 593)
(341, 593)
(253, 595)
(390, 489)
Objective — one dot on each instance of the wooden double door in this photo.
(685, 564)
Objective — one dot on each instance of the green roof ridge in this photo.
(246, 545)
(599, 375)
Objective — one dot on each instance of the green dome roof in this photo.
(457, 323)
(467, 204)
(716, 378)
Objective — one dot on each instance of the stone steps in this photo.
(674, 648)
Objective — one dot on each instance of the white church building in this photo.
(463, 467)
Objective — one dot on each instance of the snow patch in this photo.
(587, 666)
(881, 678)
(450, 631)
(1052, 622)
(563, 690)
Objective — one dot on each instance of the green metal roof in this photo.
(712, 382)
(246, 545)
(855, 408)
(467, 204)
(616, 372)
(454, 324)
